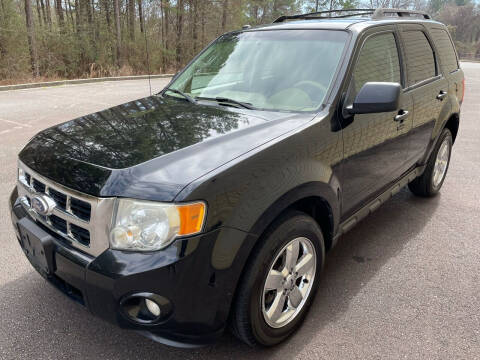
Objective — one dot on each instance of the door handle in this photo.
(402, 115)
(442, 95)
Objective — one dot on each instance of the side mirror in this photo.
(376, 97)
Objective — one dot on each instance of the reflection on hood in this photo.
(137, 131)
(149, 148)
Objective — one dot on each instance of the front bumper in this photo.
(197, 275)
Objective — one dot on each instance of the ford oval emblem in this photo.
(43, 204)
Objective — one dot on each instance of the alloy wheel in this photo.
(288, 282)
(441, 163)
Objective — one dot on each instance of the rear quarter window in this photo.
(420, 57)
(445, 49)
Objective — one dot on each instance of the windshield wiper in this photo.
(181, 93)
(225, 100)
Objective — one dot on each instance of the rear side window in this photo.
(378, 61)
(420, 58)
(445, 49)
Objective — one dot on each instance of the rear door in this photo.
(375, 145)
(426, 84)
(448, 59)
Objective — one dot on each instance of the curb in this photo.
(80, 81)
(94, 80)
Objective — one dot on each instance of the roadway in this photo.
(403, 284)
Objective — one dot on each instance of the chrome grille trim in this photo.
(100, 214)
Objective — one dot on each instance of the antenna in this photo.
(148, 58)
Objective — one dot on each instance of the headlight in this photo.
(148, 226)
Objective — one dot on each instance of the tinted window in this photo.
(378, 61)
(420, 58)
(444, 46)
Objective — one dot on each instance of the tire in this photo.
(250, 320)
(428, 185)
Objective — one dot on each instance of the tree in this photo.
(140, 15)
(180, 9)
(31, 38)
(118, 31)
(92, 37)
(165, 33)
(465, 23)
(38, 12)
(59, 9)
(131, 19)
(49, 13)
(195, 15)
(224, 15)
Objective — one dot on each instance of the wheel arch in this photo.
(315, 199)
(453, 124)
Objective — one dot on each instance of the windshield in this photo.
(286, 70)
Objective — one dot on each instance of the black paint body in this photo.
(248, 166)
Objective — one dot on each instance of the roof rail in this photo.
(388, 13)
(376, 14)
(342, 13)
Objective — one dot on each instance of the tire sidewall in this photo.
(297, 226)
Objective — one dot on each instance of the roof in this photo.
(341, 19)
(337, 24)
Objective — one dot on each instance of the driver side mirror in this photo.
(376, 97)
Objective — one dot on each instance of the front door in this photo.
(375, 145)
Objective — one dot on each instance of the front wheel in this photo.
(431, 181)
(280, 281)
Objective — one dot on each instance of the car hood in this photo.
(149, 148)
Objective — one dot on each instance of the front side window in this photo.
(284, 70)
(378, 61)
(445, 49)
(420, 57)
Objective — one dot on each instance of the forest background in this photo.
(43, 40)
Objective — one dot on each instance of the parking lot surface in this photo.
(405, 283)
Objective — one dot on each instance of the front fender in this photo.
(252, 192)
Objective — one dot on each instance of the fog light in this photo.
(153, 307)
(145, 308)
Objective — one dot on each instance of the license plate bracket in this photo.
(37, 245)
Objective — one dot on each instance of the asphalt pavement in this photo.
(405, 283)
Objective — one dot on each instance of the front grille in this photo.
(82, 220)
(81, 209)
(59, 223)
(38, 185)
(60, 199)
(80, 234)
(28, 178)
(71, 209)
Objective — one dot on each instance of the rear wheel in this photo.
(280, 281)
(431, 181)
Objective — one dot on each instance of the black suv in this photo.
(214, 202)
